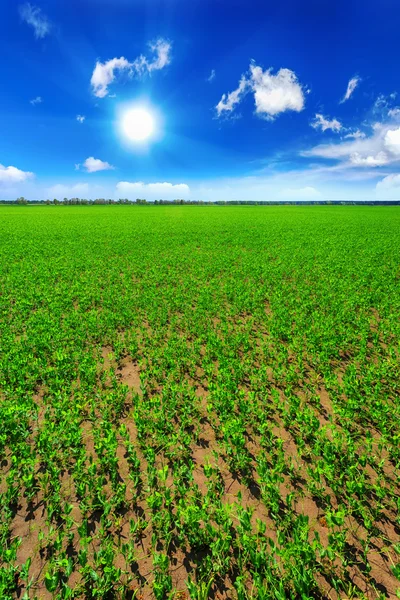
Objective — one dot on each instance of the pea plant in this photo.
(199, 402)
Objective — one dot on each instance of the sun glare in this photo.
(138, 124)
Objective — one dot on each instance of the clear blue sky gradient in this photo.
(238, 154)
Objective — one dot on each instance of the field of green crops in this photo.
(199, 402)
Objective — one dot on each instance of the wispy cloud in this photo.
(378, 160)
(394, 113)
(211, 77)
(323, 123)
(33, 16)
(351, 86)
(229, 101)
(105, 73)
(381, 147)
(80, 118)
(357, 134)
(37, 100)
(161, 57)
(273, 94)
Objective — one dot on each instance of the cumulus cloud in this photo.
(37, 100)
(60, 191)
(392, 141)
(273, 94)
(152, 191)
(92, 165)
(80, 118)
(105, 73)
(390, 182)
(33, 16)
(11, 175)
(321, 122)
(389, 187)
(351, 86)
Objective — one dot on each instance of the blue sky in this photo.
(250, 100)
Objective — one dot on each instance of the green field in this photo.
(200, 402)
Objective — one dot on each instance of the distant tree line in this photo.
(179, 201)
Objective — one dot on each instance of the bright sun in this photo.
(138, 124)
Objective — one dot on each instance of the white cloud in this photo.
(152, 191)
(380, 148)
(104, 73)
(382, 106)
(305, 193)
(92, 165)
(355, 134)
(11, 175)
(33, 16)
(61, 191)
(321, 122)
(390, 182)
(161, 50)
(342, 150)
(351, 86)
(369, 161)
(80, 118)
(336, 182)
(388, 188)
(394, 113)
(211, 77)
(392, 141)
(37, 100)
(229, 101)
(273, 94)
(316, 183)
